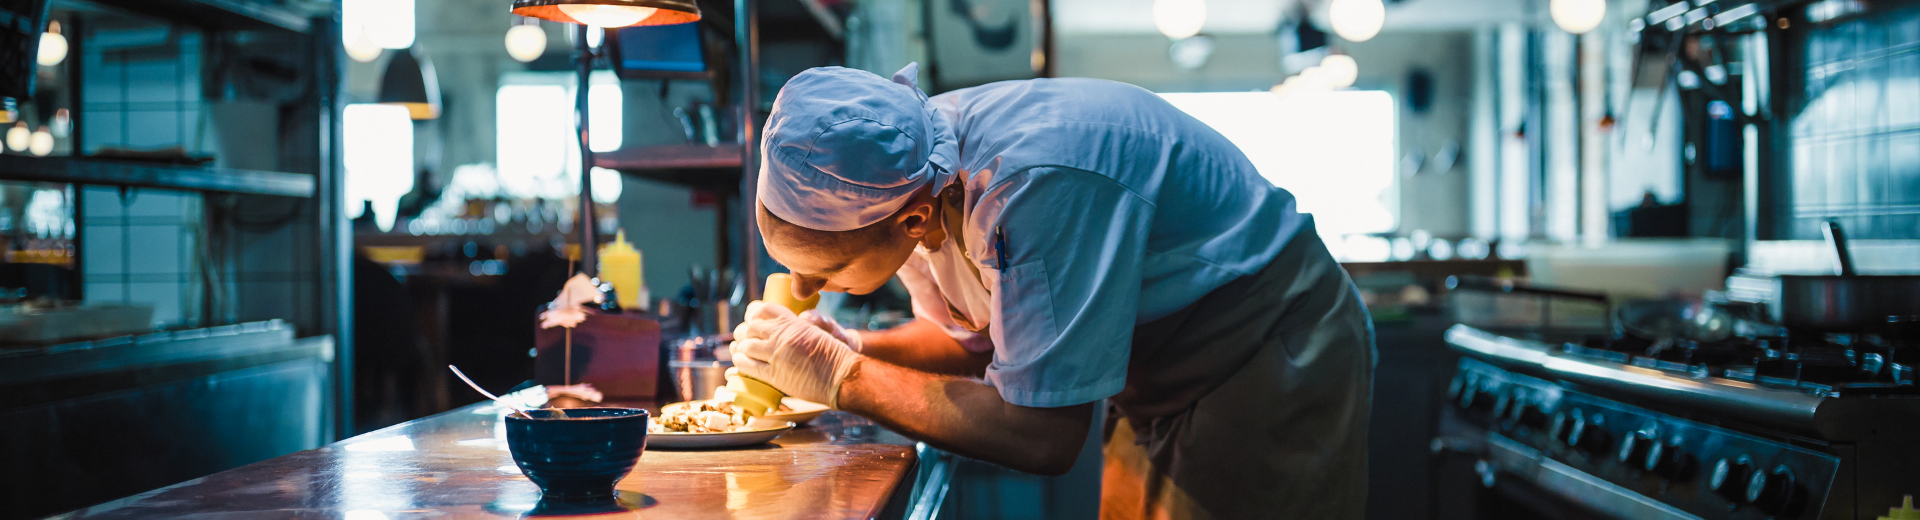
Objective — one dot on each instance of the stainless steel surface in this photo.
(1787, 409)
(455, 465)
(1602, 495)
(85, 423)
(483, 391)
(1674, 318)
(696, 380)
(1844, 303)
(931, 485)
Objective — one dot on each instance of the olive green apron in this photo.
(1250, 403)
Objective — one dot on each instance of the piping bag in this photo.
(753, 396)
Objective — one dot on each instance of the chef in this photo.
(1065, 242)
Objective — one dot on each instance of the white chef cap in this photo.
(845, 148)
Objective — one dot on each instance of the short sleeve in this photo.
(917, 276)
(1065, 304)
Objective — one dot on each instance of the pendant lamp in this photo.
(607, 14)
(410, 82)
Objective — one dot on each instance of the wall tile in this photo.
(103, 251)
(106, 292)
(155, 249)
(165, 299)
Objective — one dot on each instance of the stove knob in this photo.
(1563, 425)
(1589, 434)
(1529, 415)
(1458, 385)
(1773, 491)
(1634, 448)
(1730, 478)
(1668, 459)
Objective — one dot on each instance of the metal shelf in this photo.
(128, 173)
(242, 15)
(694, 165)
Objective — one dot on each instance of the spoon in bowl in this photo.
(483, 391)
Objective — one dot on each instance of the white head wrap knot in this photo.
(845, 149)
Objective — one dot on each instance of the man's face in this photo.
(835, 264)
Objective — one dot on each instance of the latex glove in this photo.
(777, 347)
(821, 321)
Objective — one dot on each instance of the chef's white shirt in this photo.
(1118, 209)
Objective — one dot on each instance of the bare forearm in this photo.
(966, 417)
(921, 345)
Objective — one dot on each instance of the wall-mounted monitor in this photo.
(660, 51)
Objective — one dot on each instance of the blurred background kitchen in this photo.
(235, 229)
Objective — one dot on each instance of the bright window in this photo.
(537, 152)
(388, 23)
(1333, 150)
(378, 153)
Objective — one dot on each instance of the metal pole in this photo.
(746, 36)
(589, 261)
(334, 230)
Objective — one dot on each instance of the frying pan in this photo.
(1847, 301)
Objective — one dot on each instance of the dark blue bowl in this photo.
(579, 458)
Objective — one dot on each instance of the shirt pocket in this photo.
(1024, 327)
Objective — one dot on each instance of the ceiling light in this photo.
(1339, 70)
(410, 82)
(607, 15)
(1179, 19)
(610, 13)
(360, 47)
(526, 42)
(62, 123)
(53, 46)
(1357, 20)
(42, 144)
(19, 137)
(595, 35)
(1578, 16)
(389, 23)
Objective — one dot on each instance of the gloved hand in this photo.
(777, 347)
(821, 321)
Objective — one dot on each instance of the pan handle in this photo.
(1837, 239)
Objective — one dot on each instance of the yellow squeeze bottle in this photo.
(620, 266)
(754, 396)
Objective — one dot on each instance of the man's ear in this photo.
(917, 219)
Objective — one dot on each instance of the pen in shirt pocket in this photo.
(1000, 246)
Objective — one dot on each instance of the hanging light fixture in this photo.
(1357, 20)
(610, 13)
(1578, 16)
(360, 47)
(410, 82)
(42, 144)
(19, 137)
(526, 41)
(53, 46)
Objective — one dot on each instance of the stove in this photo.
(1772, 424)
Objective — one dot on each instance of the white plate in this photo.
(759, 430)
(801, 411)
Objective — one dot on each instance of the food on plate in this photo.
(709, 416)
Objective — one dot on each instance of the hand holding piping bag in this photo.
(779, 348)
